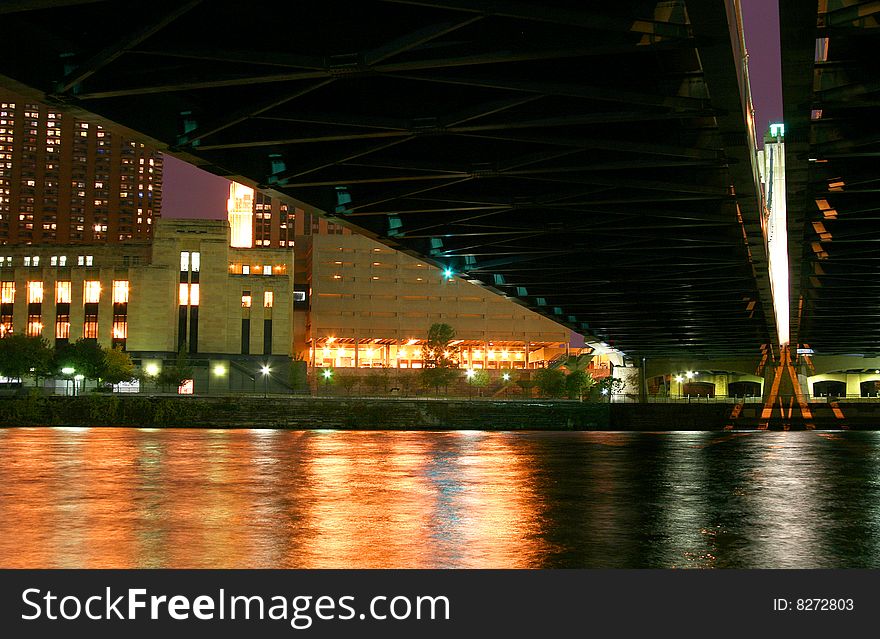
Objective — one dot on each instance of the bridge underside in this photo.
(592, 162)
(831, 91)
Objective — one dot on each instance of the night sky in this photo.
(189, 192)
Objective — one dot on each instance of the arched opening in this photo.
(870, 388)
(744, 389)
(829, 388)
(698, 389)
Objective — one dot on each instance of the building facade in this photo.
(67, 181)
(364, 305)
(187, 289)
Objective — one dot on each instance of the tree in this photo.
(526, 384)
(550, 382)
(479, 379)
(438, 351)
(348, 382)
(173, 376)
(440, 357)
(24, 356)
(438, 377)
(577, 383)
(609, 386)
(377, 381)
(85, 356)
(118, 366)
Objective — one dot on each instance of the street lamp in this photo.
(265, 370)
(679, 379)
(327, 374)
(77, 378)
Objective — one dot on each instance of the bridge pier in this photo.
(785, 405)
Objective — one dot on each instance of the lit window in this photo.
(27, 260)
(89, 260)
(245, 269)
(120, 329)
(120, 291)
(245, 299)
(35, 260)
(35, 292)
(184, 261)
(62, 292)
(62, 260)
(194, 294)
(91, 291)
(183, 294)
(7, 292)
(196, 261)
(80, 260)
(53, 261)
(62, 329)
(267, 269)
(34, 328)
(268, 299)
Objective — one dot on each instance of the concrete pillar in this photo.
(853, 384)
(643, 382)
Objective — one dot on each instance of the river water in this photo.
(129, 497)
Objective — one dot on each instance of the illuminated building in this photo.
(228, 307)
(68, 181)
(360, 304)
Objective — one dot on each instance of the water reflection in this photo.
(105, 497)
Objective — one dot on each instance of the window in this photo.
(35, 292)
(62, 292)
(27, 260)
(245, 299)
(245, 269)
(120, 291)
(80, 260)
(268, 299)
(193, 294)
(91, 292)
(62, 260)
(183, 295)
(196, 261)
(299, 296)
(53, 261)
(88, 260)
(267, 269)
(184, 261)
(7, 293)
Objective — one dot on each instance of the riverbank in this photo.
(363, 413)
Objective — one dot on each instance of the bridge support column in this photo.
(643, 381)
(784, 402)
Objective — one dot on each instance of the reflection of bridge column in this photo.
(784, 401)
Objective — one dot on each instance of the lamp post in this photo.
(327, 374)
(679, 379)
(77, 378)
(265, 370)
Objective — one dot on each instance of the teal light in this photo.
(777, 129)
(447, 273)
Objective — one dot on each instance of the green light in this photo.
(328, 373)
(777, 130)
(447, 273)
